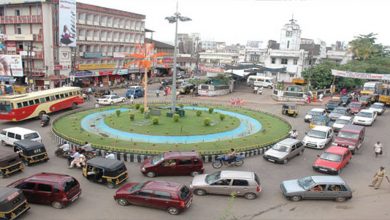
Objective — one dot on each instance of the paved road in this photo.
(97, 203)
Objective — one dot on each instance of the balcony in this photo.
(24, 19)
(38, 37)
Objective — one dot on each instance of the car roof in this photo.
(321, 128)
(29, 144)
(340, 107)
(337, 150)
(19, 130)
(48, 177)
(344, 117)
(328, 179)
(162, 185)
(355, 102)
(108, 164)
(378, 103)
(230, 174)
(7, 191)
(6, 155)
(367, 110)
(354, 128)
(176, 154)
(288, 141)
(317, 110)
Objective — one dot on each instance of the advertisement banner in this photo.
(95, 66)
(356, 75)
(20, 37)
(67, 23)
(11, 65)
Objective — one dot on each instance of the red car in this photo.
(170, 196)
(355, 107)
(57, 190)
(333, 160)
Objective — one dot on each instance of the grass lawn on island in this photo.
(273, 129)
(190, 124)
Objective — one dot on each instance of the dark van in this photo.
(10, 163)
(12, 203)
(31, 152)
(135, 91)
(350, 136)
(57, 190)
(173, 164)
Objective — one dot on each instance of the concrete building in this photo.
(104, 37)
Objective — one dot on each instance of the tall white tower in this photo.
(290, 36)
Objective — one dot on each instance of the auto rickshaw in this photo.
(319, 120)
(290, 110)
(105, 171)
(100, 92)
(12, 203)
(31, 152)
(10, 163)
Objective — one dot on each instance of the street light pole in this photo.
(175, 19)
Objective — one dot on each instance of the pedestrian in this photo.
(158, 93)
(378, 178)
(378, 148)
(132, 99)
(320, 96)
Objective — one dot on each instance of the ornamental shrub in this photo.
(207, 122)
(142, 109)
(176, 117)
(198, 113)
(222, 117)
(211, 110)
(137, 106)
(118, 112)
(155, 120)
(132, 116)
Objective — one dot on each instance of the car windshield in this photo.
(317, 134)
(314, 113)
(355, 105)
(280, 148)
(349, 135)
(157, 159)
(213, 177)
(342, 121)
(339, 111)
(331, 157)
(137, 187)
(69, 184)
(306, 182)
(364, 114)
(364, 98)
(377, 106)
(31, 136)
(344, 98)
(184, 192)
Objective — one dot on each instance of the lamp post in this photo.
(175, 19)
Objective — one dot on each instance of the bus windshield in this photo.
(5, 106)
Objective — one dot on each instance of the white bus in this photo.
(260, 81)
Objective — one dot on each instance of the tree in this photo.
(364, 47)
(320, 76)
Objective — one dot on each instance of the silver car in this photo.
(284, 150)
(316, 187)
(239, 183)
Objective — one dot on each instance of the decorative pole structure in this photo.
(175, 19)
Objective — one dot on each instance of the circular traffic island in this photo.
(208, 130)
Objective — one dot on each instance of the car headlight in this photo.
(143, 169)
(351, 146)
(332, 169)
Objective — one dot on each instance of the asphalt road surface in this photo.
(97, 202)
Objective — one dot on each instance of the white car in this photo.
(110, 99)
(318, 137)
(378, 107)
(365, 117)
(341, 122)
(314, 112)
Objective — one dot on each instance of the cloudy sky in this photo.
(236, 21)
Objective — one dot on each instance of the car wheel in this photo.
(239, 163)
(111, 185)
(200, 192)
(296, 198)
(194, 173)
(250, 196)
(151, 174)
(173, 211)
(340, 199)
(57, 205)
(122, 202)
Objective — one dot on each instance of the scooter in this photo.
(45, 123)
(224, 160)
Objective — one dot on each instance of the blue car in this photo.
(135, 91)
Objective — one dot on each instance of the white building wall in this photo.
(48, 33)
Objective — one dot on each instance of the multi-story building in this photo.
(104, 37)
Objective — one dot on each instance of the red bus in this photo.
(34, 104)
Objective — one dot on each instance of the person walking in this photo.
(378, 148)
(378, 178)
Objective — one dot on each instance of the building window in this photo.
(284, 61)
(18, 29)
(295, 61)
(288, 33)
(288, 44)
(273, 60)
(17, 12)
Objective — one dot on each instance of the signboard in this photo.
(20, 37)
(95, 66)
(11, 65)
(67, 23)
(6, 2)
(65, 60)
(356, 75)
(82, 74)
(119, 54)
(92, 55)
(121, 72)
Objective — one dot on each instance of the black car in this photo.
(332, 104)
(186, 88)
(345, 100)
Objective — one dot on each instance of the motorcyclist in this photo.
(45, 118)
(294, 134)
(110, 155)
(231, 156)
(65, 148)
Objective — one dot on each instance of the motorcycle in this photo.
(45, 123)
(61, 153)
(224, 160)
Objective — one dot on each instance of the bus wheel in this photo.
(41, 113)
(74, 105)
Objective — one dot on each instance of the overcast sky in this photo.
(237, 21)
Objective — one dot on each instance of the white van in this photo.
(260, 81)
(10, 135)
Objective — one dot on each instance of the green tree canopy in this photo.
(364, 47)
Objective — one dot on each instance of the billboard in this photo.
(356, 75)
(67, 23)
(11, 65)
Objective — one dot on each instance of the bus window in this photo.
(57, 96)
(20, 105)
(62, 96)
(48, 99)
(31, 102)
(5, 107)
(36, 101)
(66, 94)
(42, 100)
(70, 94)
(25, 104)
(52, 98)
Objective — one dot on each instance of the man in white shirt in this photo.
(65, 147)
(378, 148)
(110, 155)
